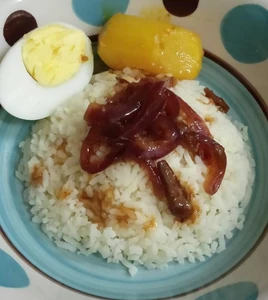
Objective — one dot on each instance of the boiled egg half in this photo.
(44, 69)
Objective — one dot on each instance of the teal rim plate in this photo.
(93, 275)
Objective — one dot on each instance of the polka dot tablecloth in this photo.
(237, 31)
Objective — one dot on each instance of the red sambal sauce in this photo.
(144, 122)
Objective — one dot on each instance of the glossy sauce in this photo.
(100, 205)
(209, 119)
(61, 154)
(37, 175)
(150, 224)
(63, 193)
(102, 210)
(144, 122)
(218, 101)
(179, 199)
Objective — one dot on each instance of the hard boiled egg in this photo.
(44, 69)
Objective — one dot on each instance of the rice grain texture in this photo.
(115, 212)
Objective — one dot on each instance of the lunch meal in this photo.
(141, 163)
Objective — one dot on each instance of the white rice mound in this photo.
(139, 228)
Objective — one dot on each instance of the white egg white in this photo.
(24, 98)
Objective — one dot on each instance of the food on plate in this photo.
(54, 53)
(43, 69)
(178, 198)
(223, 106)
(134, 163)
(143, 122)
(154, 46)
(143, 169)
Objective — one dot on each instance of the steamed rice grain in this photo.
(138, 228)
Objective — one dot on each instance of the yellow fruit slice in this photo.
(154, 46)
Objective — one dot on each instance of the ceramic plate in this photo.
(92, 275)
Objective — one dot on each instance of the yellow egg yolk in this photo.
(53, 54)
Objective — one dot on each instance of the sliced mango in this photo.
(154, 46)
